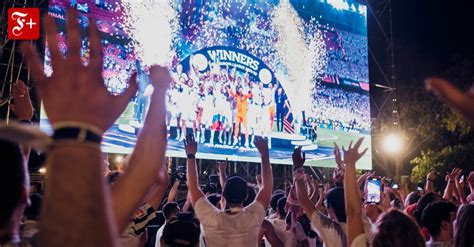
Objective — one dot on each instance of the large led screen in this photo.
(295, 72)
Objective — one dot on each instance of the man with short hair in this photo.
(170, 209)
(181, 230)
(289, 237)
(332, 230)
(438, 218)
(236, 225)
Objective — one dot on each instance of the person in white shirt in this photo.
(289, 237)
(332, 230)
(182, 230)
(170, 209)
(236, 225)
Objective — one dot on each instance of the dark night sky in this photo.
(430, 32)
(429, 35)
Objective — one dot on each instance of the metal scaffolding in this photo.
(12, 65)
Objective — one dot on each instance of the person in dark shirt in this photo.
(280, 100)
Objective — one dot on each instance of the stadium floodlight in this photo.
(393, 143)
(42, 170)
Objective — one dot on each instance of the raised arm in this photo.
(173, 191)
(75, 98)
(315, 194)
(149, 154)
(320, 204)
(457, 100)
(248, 95)
(23, 109)
(229, 91)
(298, 177)
(470, 182)
(194, 188)
(155, 196)
(353, 205)
(450, 186)
(429, 182)
(302, 194)
(459, 182)
(265, 192)
(361, 180)
(221, 167)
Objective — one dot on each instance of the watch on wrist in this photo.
(191, 156)
(77, 134)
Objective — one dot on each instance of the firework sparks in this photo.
(303, 57)
(152, 25)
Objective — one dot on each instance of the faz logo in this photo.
(23, 23)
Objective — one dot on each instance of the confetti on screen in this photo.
(304, 58)
(152, 25)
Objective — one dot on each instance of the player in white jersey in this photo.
(253, 112)
(169, 107)
(271, 105)
(265, 120)
(188, 109)
(220, 109)
(208, 106)
(200, 105)
(177, 95)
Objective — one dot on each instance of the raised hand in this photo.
(337, 155)
(75, 92)
(160, 78)
(461, 181)
(454, 174)
(470, 179)
(298, 174)
(298, 158)
(457, 100)
(222, 165)
(22, 108)
(190, 145)
(262, 145)
(352, 155)
(431, 176)
(363, 178)
(258, 178)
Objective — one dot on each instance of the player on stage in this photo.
(271, 93)
(241, 116)
(189, 108)
(280, 100)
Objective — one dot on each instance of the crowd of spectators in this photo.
(80, 209)
(336, 108)
(119, 61)
(347, 55)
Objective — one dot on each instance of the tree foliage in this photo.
(452, 143)
(437, 139)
